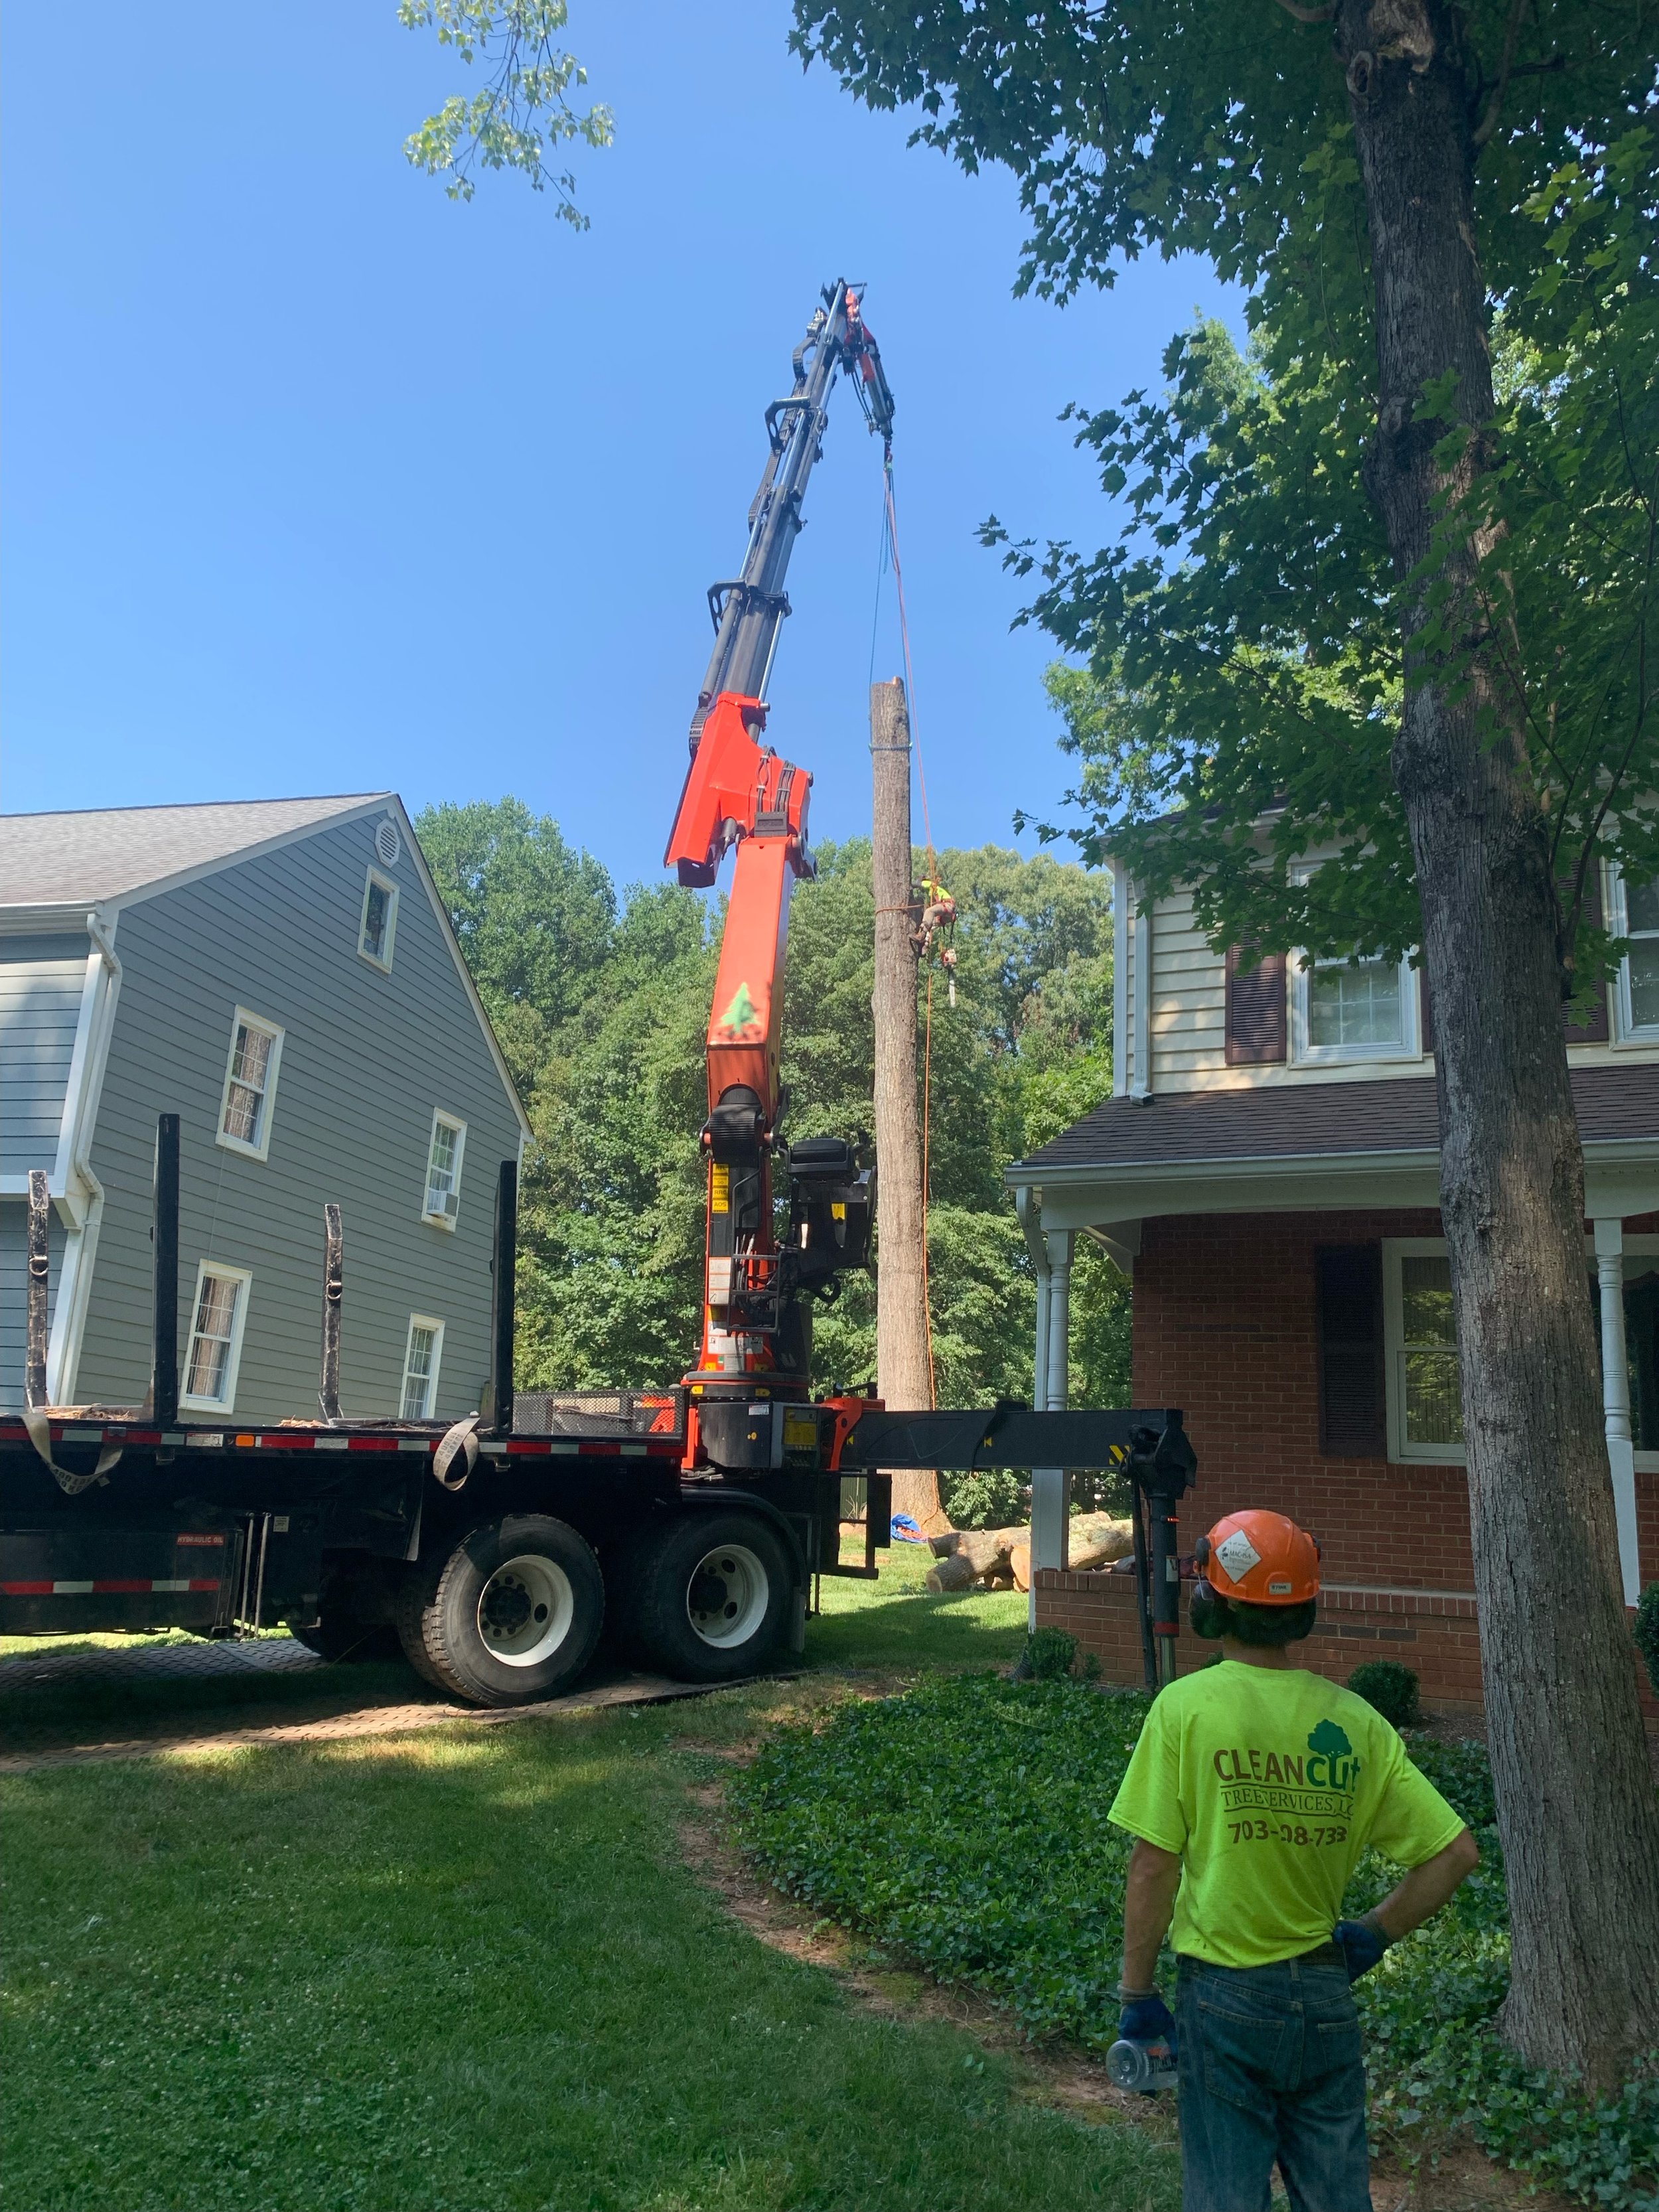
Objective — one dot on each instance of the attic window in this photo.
(443, 1170)
(378, 926)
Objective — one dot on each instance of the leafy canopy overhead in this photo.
(1243, 670)
(524, 109)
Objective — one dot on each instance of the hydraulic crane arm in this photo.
(739, 792)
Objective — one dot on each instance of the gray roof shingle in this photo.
(1289, 1120)
(53, 860)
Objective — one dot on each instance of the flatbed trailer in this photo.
(496, 1577)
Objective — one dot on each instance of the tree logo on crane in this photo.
(741, 1015)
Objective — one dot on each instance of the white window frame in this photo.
(1396, 1248)
(243, 1019)
(430, 1322)
(193, 1401)
(440, 1119)
(1306, 1054)
(382, 961)
(1626, 1029)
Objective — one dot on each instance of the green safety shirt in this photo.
(1269, 1783)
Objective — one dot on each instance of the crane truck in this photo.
(695, 1519)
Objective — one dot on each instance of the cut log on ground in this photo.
(1001, 1558)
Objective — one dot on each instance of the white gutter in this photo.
(82, 1193)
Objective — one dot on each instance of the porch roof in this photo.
(1262, 1121)
(1263, 1147)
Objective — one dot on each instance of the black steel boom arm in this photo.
(748, 611)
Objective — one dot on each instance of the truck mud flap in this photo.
(88, 1581)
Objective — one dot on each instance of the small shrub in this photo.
(989, 1498)
(1646, 1631)
(1049, 1655)
(1390, 1687)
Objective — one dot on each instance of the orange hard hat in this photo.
(1260, 1558)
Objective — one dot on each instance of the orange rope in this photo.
(926, 1088)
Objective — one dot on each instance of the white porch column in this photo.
(1615, 1397)
(1050, 1516)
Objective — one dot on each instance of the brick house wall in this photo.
(1226, 1326)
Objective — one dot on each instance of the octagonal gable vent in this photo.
(387, 843)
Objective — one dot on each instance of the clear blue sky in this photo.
(318, 482)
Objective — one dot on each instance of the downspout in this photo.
(1141, 1085)
(1120, 979)
(75, 1291)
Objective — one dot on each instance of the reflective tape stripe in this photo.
(113, 1586)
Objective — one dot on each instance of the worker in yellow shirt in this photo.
(1253, 1790)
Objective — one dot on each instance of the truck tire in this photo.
(512, 1614)
(708, 1597)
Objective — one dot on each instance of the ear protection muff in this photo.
(1206, 1612)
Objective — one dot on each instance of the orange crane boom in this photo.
(756, 1336)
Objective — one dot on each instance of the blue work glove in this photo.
(1362, 1943)
(1147, 2020)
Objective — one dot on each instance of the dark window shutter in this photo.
(1596, 1031)
(1425, 1010)
(1256, 1009)
(1349, 1282)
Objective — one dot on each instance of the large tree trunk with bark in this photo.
(1574, 1797)
(902, 1365)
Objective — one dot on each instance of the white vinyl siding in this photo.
(214, 1353)
(422, 1355)
(1189, 998)
(249, 1098)
(442, 1202)
(378, 924)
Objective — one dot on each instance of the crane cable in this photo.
(890, 550)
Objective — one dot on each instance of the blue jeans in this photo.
(1272, 2072)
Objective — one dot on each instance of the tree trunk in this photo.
(1575, 1800)
(902, 1363)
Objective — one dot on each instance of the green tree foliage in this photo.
(535, 920)
(1242, 636)
(603, 1006)
(523, 111)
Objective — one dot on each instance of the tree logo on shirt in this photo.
(1332, 1765)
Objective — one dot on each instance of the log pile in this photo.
(1001, 1558)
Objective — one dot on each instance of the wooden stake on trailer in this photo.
(902, 1365)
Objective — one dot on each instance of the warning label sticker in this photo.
(1238, 1554)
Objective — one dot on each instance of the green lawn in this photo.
(467, 1969)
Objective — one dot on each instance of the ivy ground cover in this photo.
(964, 1823)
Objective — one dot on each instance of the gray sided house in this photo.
(281, 975)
